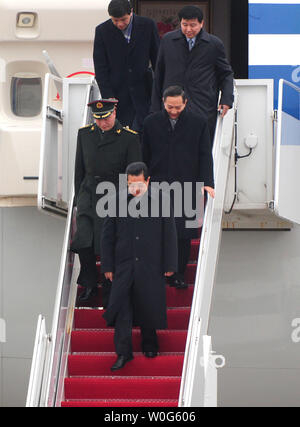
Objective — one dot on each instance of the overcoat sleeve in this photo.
(146, 152)
(154, 46)
(224, 76)
(79, 167)
(134, 153)
(206, 172)
(159, 75)
(101, 65)
(170, 244)
(107, 245)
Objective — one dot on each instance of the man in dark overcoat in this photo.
(104, 149)
(138, 251)
(176, 148)
(124, 46)
(194, 59)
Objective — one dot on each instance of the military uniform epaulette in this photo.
(130, 130)
(91, 126)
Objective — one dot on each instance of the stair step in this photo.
(122, 388)
(175, 297)
(143, 382)
(101, 340)
(194, 250)
(119, 403)
(189, 274)
(86, 318)
(99, 365)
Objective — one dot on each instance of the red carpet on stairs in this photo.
(142, 382)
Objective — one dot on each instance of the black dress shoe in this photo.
(150, 353)
(171, 280)
(88, 293)
(180, 284)
(120, 362)
(177, 281)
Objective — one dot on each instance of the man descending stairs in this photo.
(143, 381)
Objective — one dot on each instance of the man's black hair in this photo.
(174, 91)
(119, 8)
(191, 12)
(136, 169)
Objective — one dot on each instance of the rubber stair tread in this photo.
(143, 381)
(177, 318)
(161, 365)
(102, 340)
(120, 403)
(112, 353)
(174, 297)
(122, 387)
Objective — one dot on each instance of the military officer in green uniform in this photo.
(104, 149)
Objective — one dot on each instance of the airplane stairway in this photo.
(142, 382)
(71, 364)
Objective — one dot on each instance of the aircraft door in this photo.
(287, 169)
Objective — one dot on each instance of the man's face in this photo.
(137, 185)
(123, 22)
(191, 27)
(108, 123)
(174, 106)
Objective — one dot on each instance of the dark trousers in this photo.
(184, 249)
(212, 127)
(88, 276)
(123, 332)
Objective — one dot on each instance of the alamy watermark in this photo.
(183, 199)
(2, 331)
(296, 331)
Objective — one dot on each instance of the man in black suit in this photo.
(138, 251)
(124, 46)
(195, 60)
(176, 148)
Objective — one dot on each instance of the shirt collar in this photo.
(193, 38)
(127, 31)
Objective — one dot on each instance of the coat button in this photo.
(136, 259)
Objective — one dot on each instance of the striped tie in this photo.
(191, 44)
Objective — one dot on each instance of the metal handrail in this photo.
(193, 375)
(41, 346)
(45, 109)
(60, 314)
(48, 369)
(65, 301)
(61, 338)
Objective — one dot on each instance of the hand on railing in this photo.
(223, 109)
(210, 191)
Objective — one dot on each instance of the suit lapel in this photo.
(136, 32)
(201, 44)
(117, 37)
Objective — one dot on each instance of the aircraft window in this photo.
(26, 95)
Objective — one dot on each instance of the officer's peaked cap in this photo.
(103, 107)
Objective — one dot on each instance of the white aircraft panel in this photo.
(287, 175)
